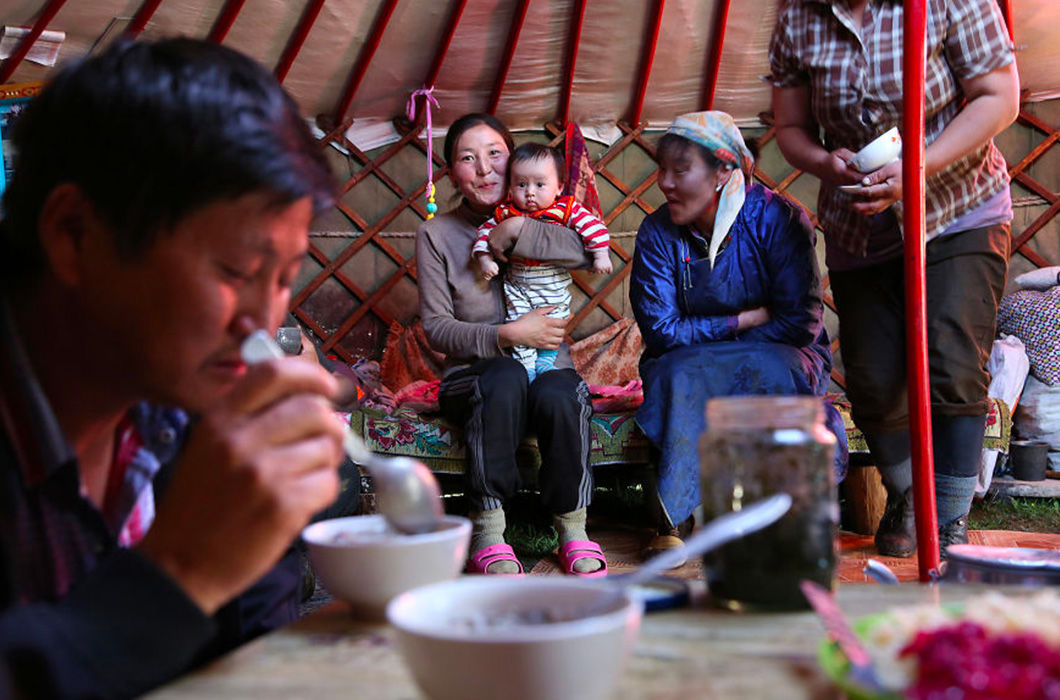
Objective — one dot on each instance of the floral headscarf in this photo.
(717, 132)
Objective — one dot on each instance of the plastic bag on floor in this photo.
(1008, 367)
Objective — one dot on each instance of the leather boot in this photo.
(954, 533)
(896, 535)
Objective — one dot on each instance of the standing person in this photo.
(727, 295)
(837, 71)
(534, 182)
(485, 390)
(157, 215)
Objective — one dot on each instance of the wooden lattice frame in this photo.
(370, 242)
(370, 239)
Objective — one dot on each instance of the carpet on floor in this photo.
(623, 549)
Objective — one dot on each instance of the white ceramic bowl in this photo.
(465, 639)
(880, 151)
(359, 560)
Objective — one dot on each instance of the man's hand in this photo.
(255, 469)
(535, 329)
(503, 237)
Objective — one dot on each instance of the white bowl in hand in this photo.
(486, 637)
(361, 560)
(880, 151)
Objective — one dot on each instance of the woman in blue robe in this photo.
(726, 291)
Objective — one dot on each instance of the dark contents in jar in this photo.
(763, 570)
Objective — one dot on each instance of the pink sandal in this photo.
(480, 561)
(576, 550)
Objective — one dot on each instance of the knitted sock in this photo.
(571, 526)
(546, 360)
(487, 529)
(953, 495)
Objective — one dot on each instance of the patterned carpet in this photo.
(623, 549)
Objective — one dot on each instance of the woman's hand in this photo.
(503, 237)
(750, 318)
(836, 168)
(799, 140)
(883, 188)
(535, 329)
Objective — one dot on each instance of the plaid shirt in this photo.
(856, 94)
(50, 533)
(81, 613)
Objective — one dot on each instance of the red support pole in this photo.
(572, 59)
(646, 61)
(46, 16)
(447, 39)
(141, 18)
(913, 66)
(509, 53)
(225, 20)
(301, 33)
(1006, 12)
(365, 58)
(710, 75)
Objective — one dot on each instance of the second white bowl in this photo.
(359, 560)
(487, 637)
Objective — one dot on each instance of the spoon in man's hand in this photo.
(408, 494)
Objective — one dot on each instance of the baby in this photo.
(535, 179)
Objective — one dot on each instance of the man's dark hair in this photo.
(151, 132)
(468, 121)
(536, 151)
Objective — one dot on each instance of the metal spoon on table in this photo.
(719, 531)
(407, 493)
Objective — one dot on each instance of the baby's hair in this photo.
(536, 151)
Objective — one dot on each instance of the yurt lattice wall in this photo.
(362, 275)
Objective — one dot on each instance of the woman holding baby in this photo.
(483, 388)
(837, 71)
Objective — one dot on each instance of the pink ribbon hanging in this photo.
(428, 95)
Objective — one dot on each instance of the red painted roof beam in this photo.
(297, 40)
(225, 20)
(572, 60)
(447, 39)
(1006, 12)
(646, 61)
(509, 52)
(141, 18)
(46, 16)
(710, 75)
(364, 59)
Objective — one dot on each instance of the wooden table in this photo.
(692, 652)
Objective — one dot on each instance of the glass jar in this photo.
(756, 446)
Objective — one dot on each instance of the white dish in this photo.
(882, 150)
(359, 559)
(477, 638)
